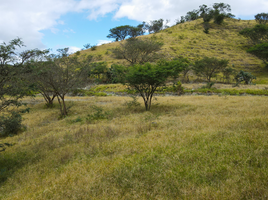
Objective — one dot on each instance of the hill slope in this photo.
(189, 40)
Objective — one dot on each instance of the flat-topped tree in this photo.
(119, 32)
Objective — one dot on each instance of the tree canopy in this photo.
(138, 51)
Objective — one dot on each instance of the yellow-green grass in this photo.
(188, 147)
(189, 40)
(111, 89)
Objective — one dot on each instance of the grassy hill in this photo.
(189, 40)
(184, 148)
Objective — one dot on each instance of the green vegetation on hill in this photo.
(189, 40)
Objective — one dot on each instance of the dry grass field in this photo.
(187, 147)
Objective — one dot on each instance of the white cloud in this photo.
(100, 42)
(27, 18)
(172, 9)
(74, 49)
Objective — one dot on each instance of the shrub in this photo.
(10, 125)
(133, 103)
(98, 114)
(93, 48)
(244, 76)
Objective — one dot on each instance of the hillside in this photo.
(189, 40)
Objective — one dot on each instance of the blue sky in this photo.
(77, 30)
(72, 23)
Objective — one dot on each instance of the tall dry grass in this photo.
(189, 147)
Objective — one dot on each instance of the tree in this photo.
(156, 25)
(192, 15)
(136, 31)
(119, 32)
(261, 51)
(147, 78)
(138, 51)
(206, 13)
(116, 74)
(38, 78)
(221, 11)
(257, 34)
(65, 73)
(209, 67)
(13, 87)
(12, 72)
(98, 69)
(261, 18)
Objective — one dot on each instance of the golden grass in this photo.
(185, 148)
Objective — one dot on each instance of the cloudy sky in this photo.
(72, 23)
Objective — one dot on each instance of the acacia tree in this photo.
(261, 18)
(119, 32)
(209, 67)
(65, 73)
(147, 78)
(155, 25)
(12, 72)
(38, 78)
(13, 87)
(138, 51)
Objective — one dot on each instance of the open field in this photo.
(187, 147)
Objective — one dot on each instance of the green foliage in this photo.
(98, 70)
(261, 18)
(244, 76)
(122, 32)
(78, 119)
(147, 78)
(13, 72)
(177, 65)
(209, 67)
(119, 32)
(208, 85)
(93, 48)
(116, 74)
(261, 51)
(10, 125)
(98, 114)
(177, 87)
(133, 103)
(257, 34)
(227, 72)
(138, 51)
(155, 25)
(87, 46)
(206, 28)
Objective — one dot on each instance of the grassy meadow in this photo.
(186, 147)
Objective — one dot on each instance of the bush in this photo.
(98, 114)
(244, 76)
(10, 125)
(93, 48)
(133, 103)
